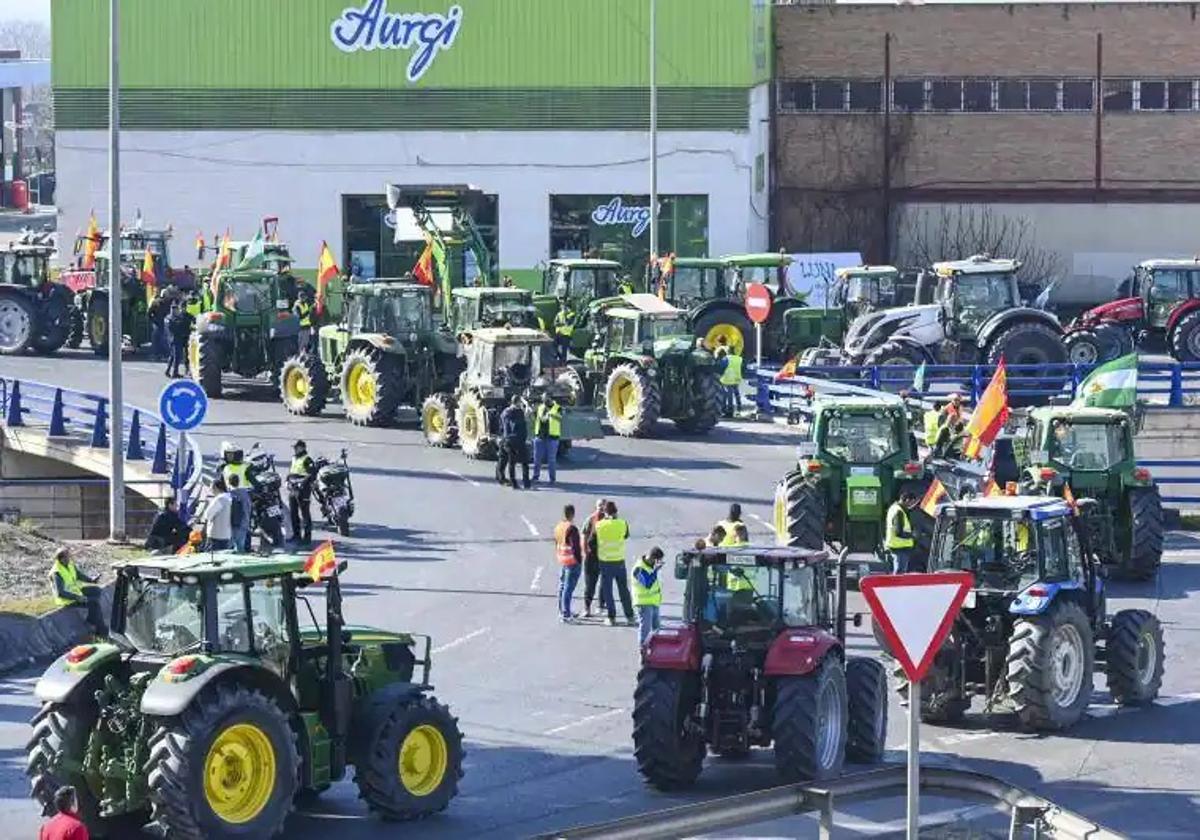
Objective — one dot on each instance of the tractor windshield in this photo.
(655, 328)
(691, 283)
(501, 311)
(247, 298)
(860, 438)
(977, 296)
(743, 595)
(586, 283)
(873, 291)
(1088, 446)
(396, 315)
(134, 242)
(518, 362)
(1000, 552)
(162, 617)
(24, 269)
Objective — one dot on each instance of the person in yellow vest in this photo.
(547, 430)
(612, 532)
(899, 541)
(740, 536)
(564, 330)
(569, 553)
(715, 537)
(70, 589)
(729, 525)
(304, 311)
(647, 592)
(933, 420)
(731, 379)
(193, 305)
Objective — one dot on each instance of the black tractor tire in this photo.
(417, 735)
(711, 324)
(16, 323)
(706, 405)
(809, 723)
(205, 356)
(894, 354)
(942, 701)
(800, 512)
(1097, 345)
(438, 422)
(303, 385)
(632, 401)
(1184, 339)
(475, 428)
(867, 689)
(182, 749)
(1044, 698)
(1143, 556)
(577, 392)
(669, 753)
(78, 322)
(372, 386)
(97, 324)
(1134, 658)
(272, 532)
(343, 522)
(1029, 343)
(282, 349)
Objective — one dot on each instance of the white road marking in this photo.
(532, 528)
(668, 473)
(582, 721)
(537, 578)
(461, 640)
(470, 481)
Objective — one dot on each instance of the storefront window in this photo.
(370, 230)
(617, 227)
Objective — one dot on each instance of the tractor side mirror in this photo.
(857, 620)
(681, 569)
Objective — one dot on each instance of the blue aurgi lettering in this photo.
(372, 27)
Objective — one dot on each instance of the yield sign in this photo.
(915, 613)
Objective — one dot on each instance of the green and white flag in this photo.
(254, 253)
(1112, 385)
(919, 379)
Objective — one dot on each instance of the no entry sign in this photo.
(915, 613)
(758, 303)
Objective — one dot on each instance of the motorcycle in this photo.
(334, 493)
(266, 502)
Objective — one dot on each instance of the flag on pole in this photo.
(148, 278)
(788, 371)
(423, 270)
(222, 261)
(919, 379)
(254, 252)
(321, 562)
(200, 246)
(326, 270)
(933, 497)
(92, 243)
(1069, 498)
(991, 488)
(1112, 385)
(990, 413)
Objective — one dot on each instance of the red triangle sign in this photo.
(915, 613)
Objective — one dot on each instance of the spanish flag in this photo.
(788, 371)
(990, 413)
(933, 497)
(1069, 498)
(148, 278)
(326, 270)
(321, 562)
(423, 270)
(91, 244)
(222, 261)
(991, 488)
(200, 246)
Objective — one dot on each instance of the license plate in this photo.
(275, 510)
(862, 471)
(282, 304)
(863, 497)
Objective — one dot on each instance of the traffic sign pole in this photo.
(757, 346)
(914, 758)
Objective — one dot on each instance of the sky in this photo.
(25, 10)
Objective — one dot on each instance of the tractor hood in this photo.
(1123, 310)
(869, 331)
(674, 345)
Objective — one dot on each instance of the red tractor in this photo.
(760, 660)
(1160, 302)
(135, 241)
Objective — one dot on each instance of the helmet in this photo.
(229, 453)
(299, 446)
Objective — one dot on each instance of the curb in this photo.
(25, 640)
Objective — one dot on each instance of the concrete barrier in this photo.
(1172, 434)
(26, 640)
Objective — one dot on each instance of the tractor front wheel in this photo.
(97, 325)
(1134, 657)
(1143, 555)
(475, 428)
(16, 324)
(1184, 340)
(304, 387)
(204, 356)
(1050, 662)
(1095, 346)
(894, 354)
(728, 324)
(800, 512)
(78, 322)
(866, 686)
(706, 404)
(632, 400)
(668, 751)
(809, 723)
(371, 388)
(227, 767)
(437, 420)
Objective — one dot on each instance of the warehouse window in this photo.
(795, 96)
(830, 96)
(1118, 95)
(1179, 96)
(866, 96)
(946, 95)
(861, 95)
(1150, 96)
(1013, 95)
(1076, 96)
(1043, 96)
(908, 96)
(977, 96)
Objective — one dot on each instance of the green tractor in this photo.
(724, 315)
(645, 365)
(247, 328)
(502, 362)
(384, 353)
(215, 705)
(854, 292)
(480, 306)
(93, 304)
(862, 454)
(1091, 450)
(35, 312)
(581, 283)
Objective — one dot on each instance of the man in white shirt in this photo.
(217, 518)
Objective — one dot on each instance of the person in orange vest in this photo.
(569, 553)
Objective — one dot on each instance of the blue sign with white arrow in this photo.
(182, 405)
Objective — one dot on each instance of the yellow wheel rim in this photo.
(470, 423)
(734, 339)
(623, 398)
(194, 357)
(99, 332)
(423, 760)
(239, 773)
(296, 384)
(435, 423)
(780, 514)
(360, 385)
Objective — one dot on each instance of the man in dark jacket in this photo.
(179, 326)
(591, 559)
(514, 445)
(167, 532)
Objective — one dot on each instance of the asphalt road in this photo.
(440, 549)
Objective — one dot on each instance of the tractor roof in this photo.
(510, 335)
(473, 292)
(385, 286)
(978, 264)
(768, 260)
(699, 262)
(216, 564)
(856, 403)
(580, 263)
(647, 304)
(1032, 507)
(763, 555)
(867, 270)
(253, 274)
(1089, 414)
(1155, 264)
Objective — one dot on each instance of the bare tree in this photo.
(31, 37)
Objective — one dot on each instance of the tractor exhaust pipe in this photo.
(841, 595)
(338, 699)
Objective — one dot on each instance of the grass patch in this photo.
(1189, 521)
(35, 606)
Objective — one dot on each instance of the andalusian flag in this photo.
(254, 252)
(149, 280)
(919, 379)
(423, 270)
(321, 562)
(91, 243)
(990, 413)
(443, 270)
(933, 497)
(326, 270)
(1112, 385)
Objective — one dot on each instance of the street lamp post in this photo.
(653, 135)
(116, 452)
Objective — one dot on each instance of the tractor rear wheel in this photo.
(706, 405)
(75, 333)
(1030, 343)
(303, 385)
(475, 428)
(227, 767)
(371, 388)
(1050, 664)
(97, 324)
(800, 512)
(409, 756)
(867, 688)
(729, 324)
(632, 400)
(1143, 555)
(1134, 656)
(16, 323)
(942, 700)
(437, 420)
(894, 354)
(1094, 346)
(204, 356)
(669, 753)
(809, 723)
(1184, 339)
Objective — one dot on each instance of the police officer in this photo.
(547, 431)
(300, 481)
(69, 589)
(233, 462)
(564, 329)
(898, 537)
(304, 311)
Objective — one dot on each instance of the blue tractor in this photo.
(1034, 629)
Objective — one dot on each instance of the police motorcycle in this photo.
(266, 501)
(334, 492)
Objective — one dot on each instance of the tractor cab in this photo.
(390, 309)
(581, 281)
(506, 359)
(643, 323)
(249, 297)
(26, 265)
(864, 289)
(1162, 285)
(480, 306)
(771, 270)
(695, 280)
(971, 291)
